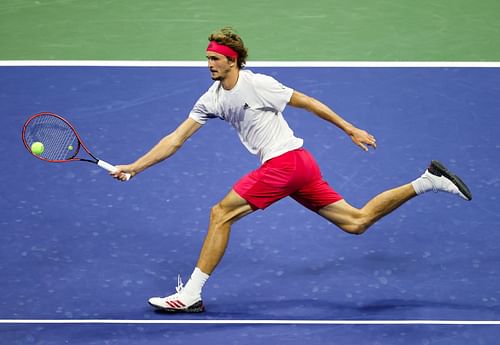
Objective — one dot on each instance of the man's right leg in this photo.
(222, 216)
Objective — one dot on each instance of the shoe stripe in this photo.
(172, 304)
(178, 304)
(175, 304)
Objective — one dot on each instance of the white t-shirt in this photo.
(254, 108)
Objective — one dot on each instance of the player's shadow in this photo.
(306, 309)
(382, 309)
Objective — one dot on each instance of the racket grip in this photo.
(110, 167)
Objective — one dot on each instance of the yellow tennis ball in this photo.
(70, 148)
(37, 148)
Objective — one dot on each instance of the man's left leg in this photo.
(356, 221)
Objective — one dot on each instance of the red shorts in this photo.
(294, 174)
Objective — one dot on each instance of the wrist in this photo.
(349, 129)
(136, 168)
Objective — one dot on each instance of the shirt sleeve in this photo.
(272, 92)
(200, 113)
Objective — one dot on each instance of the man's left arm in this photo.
(358, 136)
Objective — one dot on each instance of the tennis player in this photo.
(253, 104)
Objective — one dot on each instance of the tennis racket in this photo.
(52, 138)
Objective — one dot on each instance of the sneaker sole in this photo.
(437, 168)
(198, 307)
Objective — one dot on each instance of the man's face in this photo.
(219, 65)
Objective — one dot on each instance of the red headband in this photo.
(222, 49)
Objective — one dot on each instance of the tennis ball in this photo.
(37, 148)
(70, 148)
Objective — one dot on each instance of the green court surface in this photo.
(325, 30)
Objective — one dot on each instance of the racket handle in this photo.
(110, 167)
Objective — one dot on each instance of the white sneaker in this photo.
(179, 302)
(444, 180)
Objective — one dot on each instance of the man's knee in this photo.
(348, 218)
(355, 229)
(356, 225)
(217, 214)
(229, 210)
(220, 215)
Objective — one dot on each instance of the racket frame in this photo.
(78, 138)
(103, 164)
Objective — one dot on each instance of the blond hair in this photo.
(228, 37)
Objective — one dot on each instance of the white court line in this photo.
(102, 63)
(259, 322)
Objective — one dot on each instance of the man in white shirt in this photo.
(253, 105)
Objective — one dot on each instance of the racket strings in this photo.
(57, 137)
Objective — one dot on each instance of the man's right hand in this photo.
(121, 171)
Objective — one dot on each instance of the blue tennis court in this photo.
(75, 244)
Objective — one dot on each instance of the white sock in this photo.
(422, 185)
(195, 283)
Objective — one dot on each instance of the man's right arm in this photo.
(165, 148)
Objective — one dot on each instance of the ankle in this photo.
(422, 184)
(195, 284)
